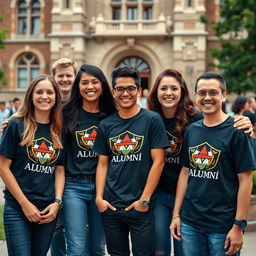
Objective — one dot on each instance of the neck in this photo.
(128, 113)
(92, 107)
(169, 112)
(214, 119)
(42, 117)
(65, 96)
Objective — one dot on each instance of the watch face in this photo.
(243, 223)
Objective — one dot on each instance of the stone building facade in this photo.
(149, 34)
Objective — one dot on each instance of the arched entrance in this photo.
(141, 65)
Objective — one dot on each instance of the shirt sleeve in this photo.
(184, 153)
(63, 152)
(243, 152)
(158, 136)
(9, 140)
(101, 146)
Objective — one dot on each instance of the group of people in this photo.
(109, 168)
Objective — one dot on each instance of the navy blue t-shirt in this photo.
(32, 166)
(81, 158)
(128, 143)
(172, 167)
(214, 156)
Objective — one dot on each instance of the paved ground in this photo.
(249, 248)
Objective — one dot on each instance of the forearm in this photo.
(59, 181)
(153, 179)
(101, 176)
(13, 186)
(244, 195)
(181, 190)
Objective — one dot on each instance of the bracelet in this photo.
(175, 217)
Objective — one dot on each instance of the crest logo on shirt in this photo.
(86, 138)
(204, 156)
(126, 143)
(42, 151)
(175, 146)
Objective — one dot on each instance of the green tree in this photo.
(3, 36)
(236, 32)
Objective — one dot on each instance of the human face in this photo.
(209, 96)
(64, 77)
(126, 99)
(90, 88)
(43, 97)
(169, 93)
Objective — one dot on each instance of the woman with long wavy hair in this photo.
(91, 100)
(170, 97)
(31, 166)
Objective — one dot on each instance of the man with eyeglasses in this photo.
(130, 144)
(215, 182)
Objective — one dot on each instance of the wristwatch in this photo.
(144, 202)
(241, 223)
(59, 202)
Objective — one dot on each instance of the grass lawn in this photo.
(2, 236)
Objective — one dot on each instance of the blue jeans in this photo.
(58, 245)
(79, 208)
(118, 224)
(25, 238)
(163, 208)
(197, 243)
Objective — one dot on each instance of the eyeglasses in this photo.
(211, 93)
(129, 89)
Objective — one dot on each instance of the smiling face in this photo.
(126, 100)
(43, 97)
(209, 96)
(169, 93)
(64, 77)
(90, 89)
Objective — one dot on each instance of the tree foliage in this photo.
(3, 36)
(236, 32)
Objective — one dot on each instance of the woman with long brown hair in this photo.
(31, 166)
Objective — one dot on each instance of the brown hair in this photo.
(26, 111)
(184, 108)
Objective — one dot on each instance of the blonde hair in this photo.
(26, 111)
(64, 63)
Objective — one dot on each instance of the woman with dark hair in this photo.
(240, 105)
(169, 96)
(32, 170)
(91, 100)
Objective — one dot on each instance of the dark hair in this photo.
(15, 99)
(106, 101)
(126, 72)
(185, 107)
(213, 75)
(238, 104)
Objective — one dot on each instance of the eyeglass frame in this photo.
(134, 88)
(210, 93)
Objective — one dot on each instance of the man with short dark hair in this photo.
(130, 144)
(214, 185)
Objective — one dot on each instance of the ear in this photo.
(225, 94)
(139, 92)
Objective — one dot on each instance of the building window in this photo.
(27, 69)
(141, 65)
(147, 13)
(67, 4)
(22, 17)
(116, 13)
(116, 0)
(132, 13)
(28, 18)
(189, 3)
